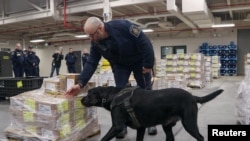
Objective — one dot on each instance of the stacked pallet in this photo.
(208, 68)
(216, 66)
(45, 114)
(189, 65)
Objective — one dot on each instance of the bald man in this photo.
(126, 48)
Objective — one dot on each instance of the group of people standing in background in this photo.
(25, 62)
(70, 59)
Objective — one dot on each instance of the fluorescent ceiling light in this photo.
(81, 36)
(37, 40)
(148, 30)
(223, 25)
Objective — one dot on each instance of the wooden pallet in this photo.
(14, 135)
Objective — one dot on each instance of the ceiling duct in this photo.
(173, 9)
(166, 25)
(64, 35)
(198, 12)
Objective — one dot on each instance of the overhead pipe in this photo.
(64, 14)
(229, 7)
(65, 23)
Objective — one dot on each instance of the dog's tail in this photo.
(208, 97)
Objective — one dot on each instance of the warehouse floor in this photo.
(219, 111)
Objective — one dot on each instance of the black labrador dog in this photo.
(149, 108)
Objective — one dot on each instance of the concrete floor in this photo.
(218, 111)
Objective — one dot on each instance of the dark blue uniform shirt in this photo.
(126, 46)
(17, 58)
(70, 59)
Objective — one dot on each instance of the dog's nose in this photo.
(83, 100)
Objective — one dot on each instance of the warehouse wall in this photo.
(45, 53)
(192, 41)
(243, 48)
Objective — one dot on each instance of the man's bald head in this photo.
(92, 24)
(18, 46)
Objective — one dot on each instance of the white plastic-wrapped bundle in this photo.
(243, 101)
(37, 115)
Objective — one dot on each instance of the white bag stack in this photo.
(243, 98)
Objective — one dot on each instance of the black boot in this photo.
(122, 134)
(152, 130)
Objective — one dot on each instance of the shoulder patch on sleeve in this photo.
(135, 30)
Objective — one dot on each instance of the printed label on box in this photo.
(65, 131)
(30, 104)
(79, 114)
(79, 124)
(50, 86)
(44, 109)
(47, 133)
(16, 104)
(64, 106)
(78, 103)
(70, 83)
(28, 116)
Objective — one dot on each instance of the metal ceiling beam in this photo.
(83, 7)
(138, 7)
(151, 16)
(3, 9)
(131, 2)
(117, 12)
(32, 15)
(230, 11)
(234, 8)
(26, 17)
(33, 5)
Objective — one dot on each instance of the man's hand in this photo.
(146, 70)
(73, 91)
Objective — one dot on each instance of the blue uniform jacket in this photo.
(84, 58)
(17, 58)
(70, 59)
(126, 46)
(31, 59)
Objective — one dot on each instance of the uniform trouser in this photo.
(71, 69)
(53, 68)
(37, 71)
(121, 75)
(29, 70)
(18, 71)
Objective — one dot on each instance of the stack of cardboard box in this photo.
(216, 66)
(45, 114)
